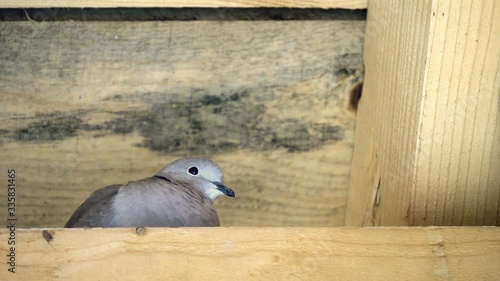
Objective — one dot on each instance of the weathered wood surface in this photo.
(324, 4)
(457, 253)
(88, 104)
(428, 128)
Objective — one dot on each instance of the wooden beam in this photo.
(427, 144)
(432, 253)
(323, 4)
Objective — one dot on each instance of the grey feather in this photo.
(96, 210)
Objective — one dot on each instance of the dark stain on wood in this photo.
(47, 236)
(49, 127)
(187, 124)
(345, 72)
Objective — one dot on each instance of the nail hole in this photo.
(140, 230)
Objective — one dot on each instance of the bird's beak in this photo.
(224, 189)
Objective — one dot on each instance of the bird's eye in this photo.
(193, 171)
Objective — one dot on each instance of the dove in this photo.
(181, 194)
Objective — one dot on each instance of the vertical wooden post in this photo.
(427, 145)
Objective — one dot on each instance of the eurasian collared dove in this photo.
(180, 194)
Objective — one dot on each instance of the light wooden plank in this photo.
(255, 254)
(428, 128)
(88, 104)
(323, 4)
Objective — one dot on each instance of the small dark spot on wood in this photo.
(195, 125)
(140, 230)
(210, 100)
(115, 98)
(344, 72)
(236, 96)
(355, 96)
(47, 236)
(442, 14)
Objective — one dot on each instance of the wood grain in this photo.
(88, 104)
(324, 4)
(471, 253)
(429, 117)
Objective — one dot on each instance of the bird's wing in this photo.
(157, 202)
(97, 210)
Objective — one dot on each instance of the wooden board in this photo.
(471, 253)
(428, 129)
(88, 104)
(324, 4)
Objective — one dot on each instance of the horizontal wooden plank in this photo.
(88, 104)
(451, 253)
(324, 4)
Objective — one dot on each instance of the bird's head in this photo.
(203, 174)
